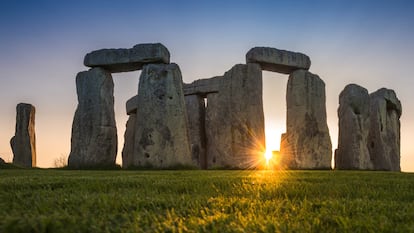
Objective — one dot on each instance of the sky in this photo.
(43, 43)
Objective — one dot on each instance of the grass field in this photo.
(205, 201)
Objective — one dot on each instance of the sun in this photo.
(268, 156)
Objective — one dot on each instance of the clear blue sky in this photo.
(42, 45)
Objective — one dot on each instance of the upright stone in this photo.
(94, 134)
(123, 60)
(129, 141)
(23, 143)
(161, 136)
(129, 136)
(306, 144)
(276, 60)
(235, 120)
(196, 127)
(354, 126)
(384, 136)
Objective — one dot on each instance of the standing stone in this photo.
(235, 119)
(129, 135)
(161, 136)
(196, 127)
(23, 143)
(276, 60)
(306, 143)
(123, 60)
(94, 134)
(384, 136)
(129, 140)
(354, 126)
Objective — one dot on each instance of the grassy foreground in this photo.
(205, 201)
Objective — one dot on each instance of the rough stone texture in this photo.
(276, 60)
(131, 105)
(161, 136)
(123, 60)
(235, 120)
(23, 143)
(94, 134)
(354, 126)
(195, 106)
(129, 140)
(203, 87)
(306, 144)
(384, 136)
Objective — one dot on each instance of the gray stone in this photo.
(161, 136)
(276, 60)
(306, 144)
(195, 106)
(235, 120)
(129, 140)
(94, 134)
(203, 87)
(384, 136)
(23, 143)
(131, 105)
(123, 60)
(354, 126)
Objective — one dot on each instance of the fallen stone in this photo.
(123, 60)
(235, 120)
(306, 144)
(276, 60)
(161, 133)
(195, 106)
(23, 143)
(94, 134)
(202, 87)
(354, 126)
(131, 105)
(384, 136)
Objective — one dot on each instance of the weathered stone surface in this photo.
(129, 140)
(94, 134)
(306, 144)
(123, 60)
(23, 143)
(161, 136)
(384, 136)
(354, 126)
(131, 105)
(203, 87)
(235, 120)
(276, 60)
(196, 128)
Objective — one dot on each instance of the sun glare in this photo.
(268, 156)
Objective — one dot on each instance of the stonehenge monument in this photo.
(23, 143)
(218, 122)
(369, 130)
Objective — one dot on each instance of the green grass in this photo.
(205, 201)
